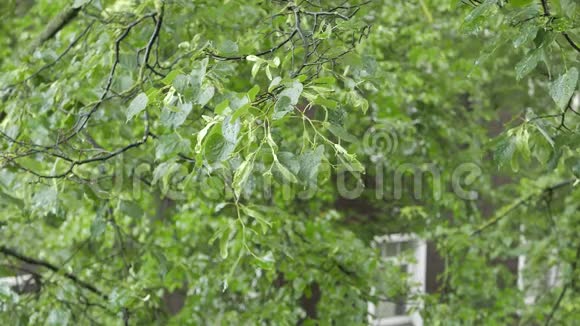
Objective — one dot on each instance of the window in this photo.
(408, 253)
(11, 286)
(535, 287)
(18, 284)
(543, 280)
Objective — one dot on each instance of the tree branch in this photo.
(519, 203)
(259, 54)
(14, 254)
(565, 289)
(546, 9)
(571, 42)
(55, 25)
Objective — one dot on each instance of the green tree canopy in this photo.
(230, 162)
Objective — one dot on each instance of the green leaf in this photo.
(206, 95)
(563, 88)
(545, 134)
(254, 58)
(282, 107)
(242, 173)
(180, 83)
(522, 139)
(231, 129)
(45, 200)
(309, 164)
(480, 10)
(239, 100)
(8, 199)
(198, 72)
(58, 317)
(359, 101)
(218, 234)
(520, 3)
(274, 83)
(349, 161)
(293, 92)
(266, 262)
(138, 104)
(527, 34)
(79, 3)
(228, 47)
(253, 92)
(328, 80)
(289, 176)
(289, 160)
(505, 150)
(569, 7)
(221, 107)
(240, 112)
(573, 164)
(99, 224)
(201, 135)
(256, 68)
(325, 102)
(224, 241)
(341, 133)
(217, 148)
(131, 208)
(554, 159)
(170, 144)
(260, 218)
(176, 117)
(163, 170)
(528, 63)
(168, 80)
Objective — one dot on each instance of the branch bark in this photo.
(33, 261)
(54, 26)
(519, 203)
(568, 285)
(547, 13)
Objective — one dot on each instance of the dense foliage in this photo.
(239, 157)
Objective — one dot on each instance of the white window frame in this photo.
(17, 281)
(418, 276)
(553, 279)
(553, 274)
